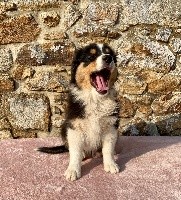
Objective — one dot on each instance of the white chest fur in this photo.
(98, 120)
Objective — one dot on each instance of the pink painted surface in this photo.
(150, 169)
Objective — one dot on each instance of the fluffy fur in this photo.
(92, 113)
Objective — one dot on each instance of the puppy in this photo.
(92, 114)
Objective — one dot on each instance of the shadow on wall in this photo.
(163, 126)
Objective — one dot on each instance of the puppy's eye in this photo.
(107, 50)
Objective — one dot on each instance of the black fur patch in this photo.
(75, 109)
(116, 114)
(107, 50)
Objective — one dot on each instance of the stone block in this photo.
(132, 85)
(101, 13)
(6, 83)
(149, 76)
(84, 30)
(168, 124)
(135, 127)
(151, 129)
(21, 72)
(51, 53)
(127, 109)
(57, 121)
(4, 124)
(163, 12)
(3, 16)
(23, 28)
(51, 18)
(71, 15)
(6, 59)
(175, 44)
(164, 85)
(17, 134)
(135, 50)
(56, 81)
(33, 5)
(160, 52)
(167, 104)
(27, 111)
(8, 6)
(55, 35)
(163, 34)
(5, 134)
(144, 111)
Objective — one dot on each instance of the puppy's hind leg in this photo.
(109, 142)
(73, 171)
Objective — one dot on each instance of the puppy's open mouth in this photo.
(100, 80)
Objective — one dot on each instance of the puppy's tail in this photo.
(53, 150)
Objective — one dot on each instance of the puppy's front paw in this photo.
(72, 174)
(111, 167)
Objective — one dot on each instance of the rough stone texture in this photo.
(7, 6)
(55, 35)
(164, 85)
(16, 134)
(21, 72)
(46, 54)
(49, 81)
(175, 43)
(139, 51)
(71, 15)
(149, 169)
(91, 31)
(127, 108)
(5, 134)
(101, 13)
(167, 104)
(134, 127)
(6, 83)
(4, 124)
(132, 85)
(166, 13)
(168, 124)
(144, 111)
(6, 59)
(30, 5)
(27, 112)
(21, 28)
(37, 43)
(163, 34)
(2, 16)
(57, 121)
(51, 19)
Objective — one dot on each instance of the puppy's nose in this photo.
(107, 58)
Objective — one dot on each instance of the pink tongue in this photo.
(101, 85)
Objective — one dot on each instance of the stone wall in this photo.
(37, 42)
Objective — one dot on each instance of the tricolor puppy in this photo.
(92, 113)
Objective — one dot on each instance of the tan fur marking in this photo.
(83, 75)
(93, 51)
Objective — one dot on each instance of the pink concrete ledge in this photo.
(150, 169)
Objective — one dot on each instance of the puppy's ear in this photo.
(75, 63)
(114, 77)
